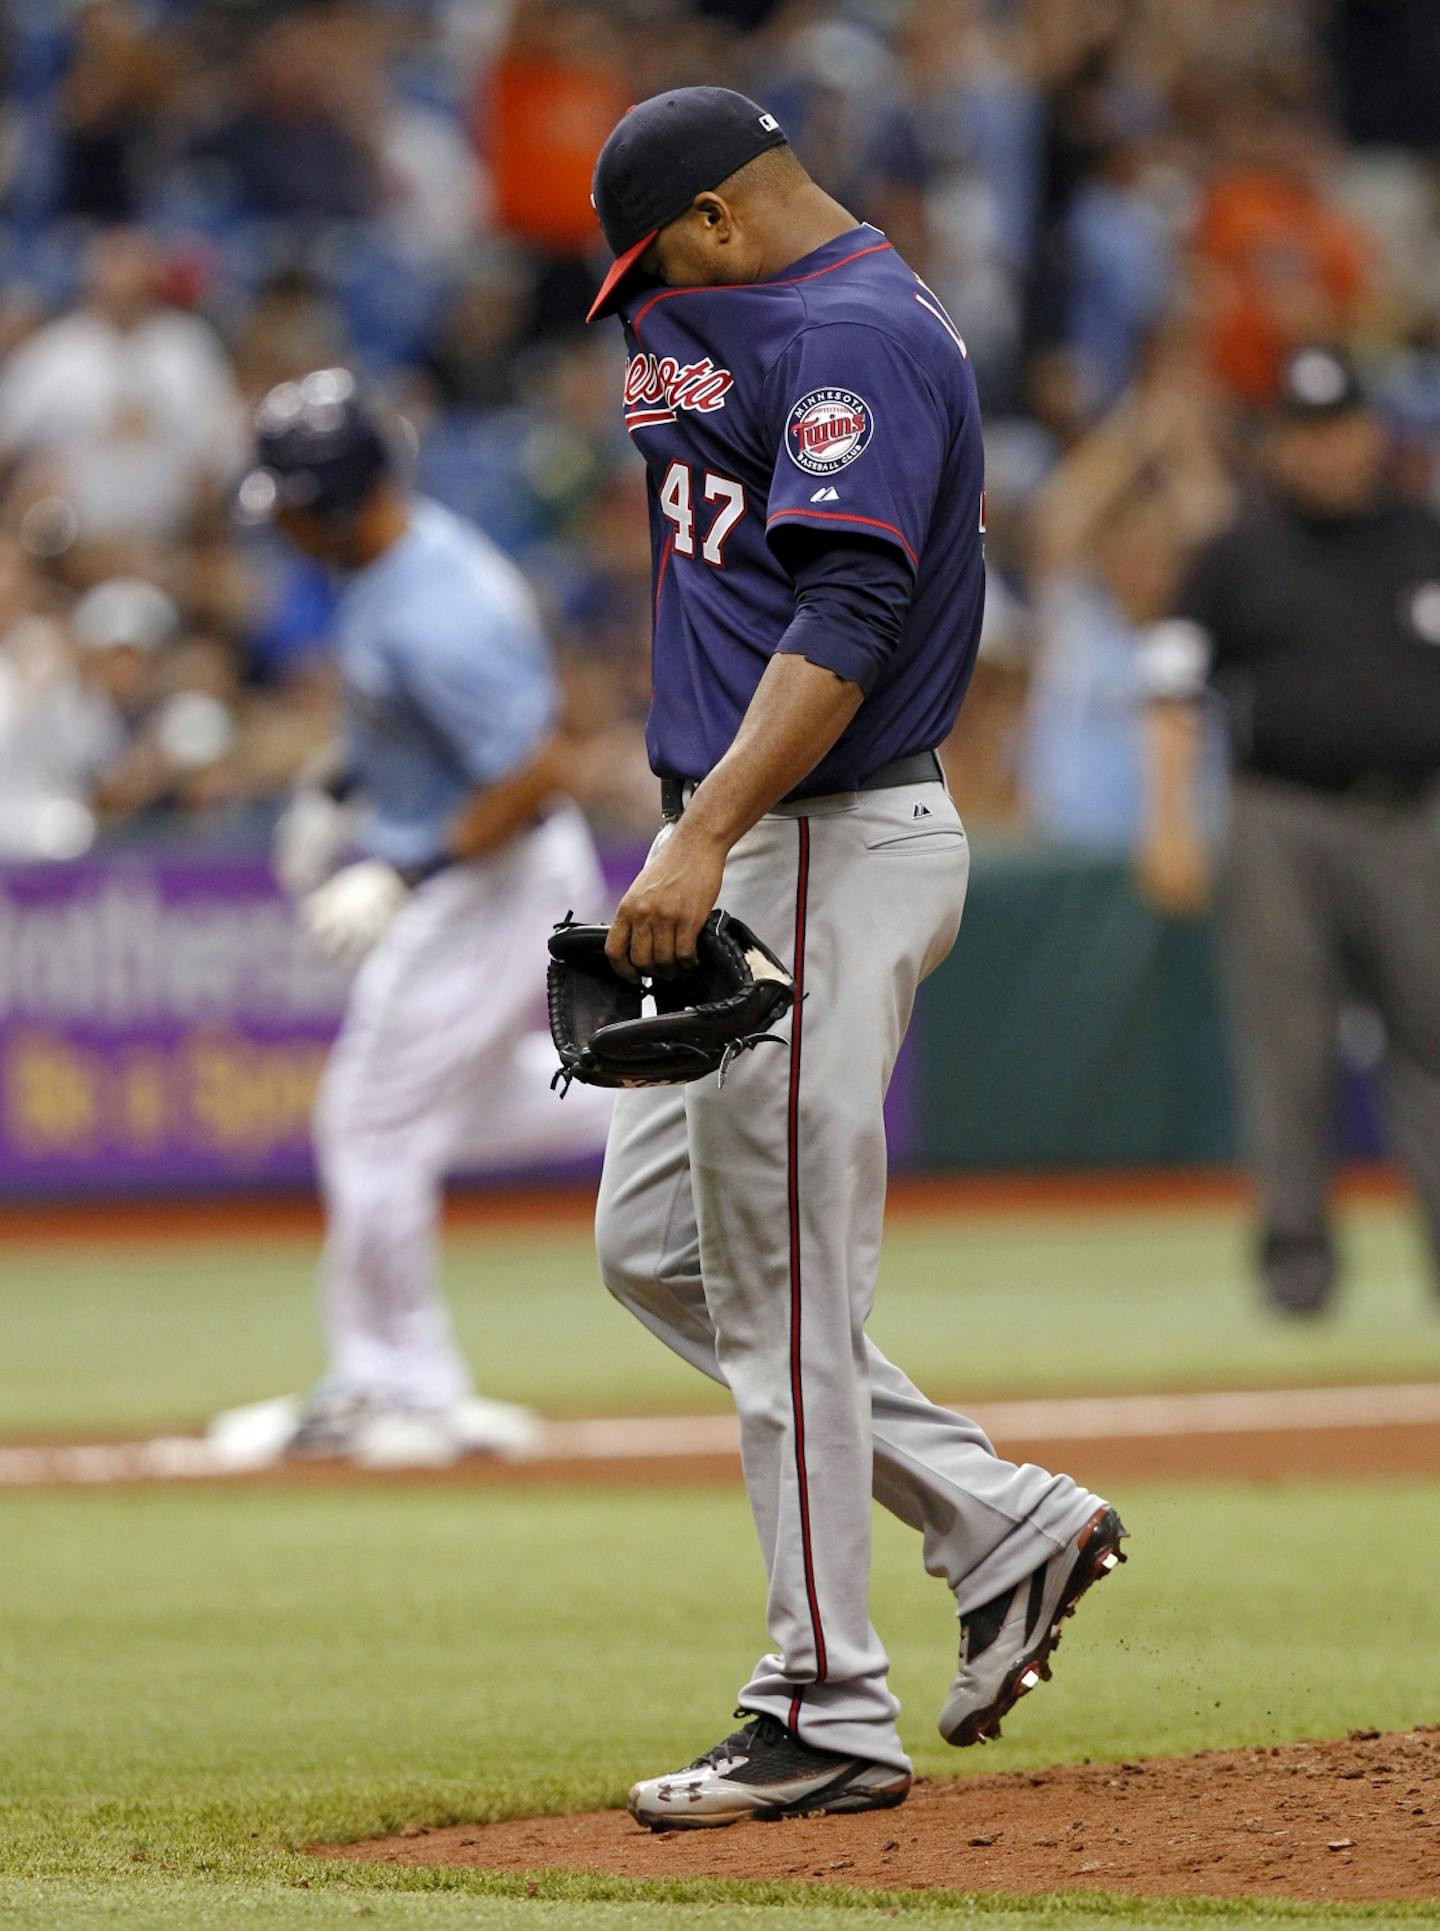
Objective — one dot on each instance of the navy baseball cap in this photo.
(1318, 382)
(318, 447)
(659, 157)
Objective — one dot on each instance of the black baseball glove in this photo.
(701, 1018)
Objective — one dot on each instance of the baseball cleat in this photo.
(1298, 1271)
(1005, 1646)
(765, 1772)
(317, 1426)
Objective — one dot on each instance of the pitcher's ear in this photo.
(714, 212)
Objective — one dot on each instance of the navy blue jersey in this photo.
(836, 396)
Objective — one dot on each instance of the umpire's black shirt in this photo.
(1322, 638)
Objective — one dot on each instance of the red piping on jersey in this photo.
(789, 281)
(660, 573)
(842, 516)
(797, 1391)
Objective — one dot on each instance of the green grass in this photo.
(151, 1335)
(560, 1905)
(556, 1905)
(193, 1683)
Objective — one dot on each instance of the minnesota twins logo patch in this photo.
(828, 429)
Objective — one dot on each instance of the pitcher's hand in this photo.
(655, 928)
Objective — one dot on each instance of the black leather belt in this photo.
(920, 767)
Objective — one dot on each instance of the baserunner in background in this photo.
(435, 856)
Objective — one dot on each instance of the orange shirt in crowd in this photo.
(545, 123)
(1285, 267)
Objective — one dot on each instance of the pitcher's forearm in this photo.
(796, 716)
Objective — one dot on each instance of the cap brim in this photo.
(619, 269)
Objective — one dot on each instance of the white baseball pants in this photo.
(439, 1066)
(742, 1225)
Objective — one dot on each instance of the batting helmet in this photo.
(319, 448)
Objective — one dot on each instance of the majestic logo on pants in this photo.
(828, 429)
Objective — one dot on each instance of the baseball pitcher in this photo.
(445, 800)
(807, 415)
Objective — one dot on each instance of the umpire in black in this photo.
(1314, 620)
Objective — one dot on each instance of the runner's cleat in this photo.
(1006, 1645)
(319, 1426)
(765, 1772)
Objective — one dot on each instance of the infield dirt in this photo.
(1289, 1454)
(1353, 1820)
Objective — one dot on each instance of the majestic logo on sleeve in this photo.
(828, 429)
(657, 385)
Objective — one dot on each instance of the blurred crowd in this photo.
(1133, 207)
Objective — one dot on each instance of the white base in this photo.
(406, 1438)
(260, 1434)
(255, 1436)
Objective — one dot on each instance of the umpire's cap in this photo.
(319, 448)
(659, 157)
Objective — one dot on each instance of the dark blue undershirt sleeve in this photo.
(851, 597)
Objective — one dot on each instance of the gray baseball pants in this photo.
(742, 1225)
(1328, 899)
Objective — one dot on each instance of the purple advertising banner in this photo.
(163, 1026)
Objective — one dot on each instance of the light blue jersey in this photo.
(447, 677)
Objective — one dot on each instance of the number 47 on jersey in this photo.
(678, 504)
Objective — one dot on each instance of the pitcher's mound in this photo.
(1352, 1819)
